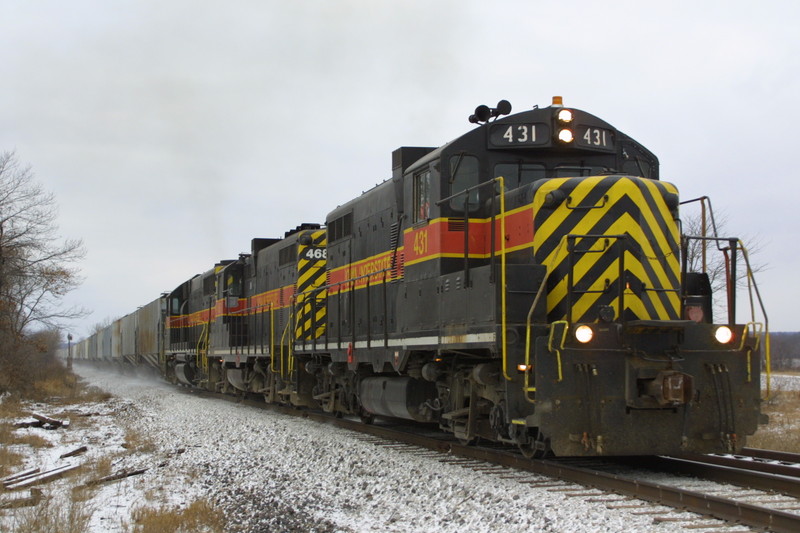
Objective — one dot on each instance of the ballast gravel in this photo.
(272, 472)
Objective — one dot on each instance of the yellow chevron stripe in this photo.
(311, 274)
(660, 256)
(626, 224)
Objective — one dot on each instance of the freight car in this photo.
(525, 283)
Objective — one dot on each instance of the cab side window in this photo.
(422, 196)
(464, 173)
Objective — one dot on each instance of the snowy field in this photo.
(782, 382)
(272, 472)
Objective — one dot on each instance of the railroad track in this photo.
(760, 493)
(756, 460)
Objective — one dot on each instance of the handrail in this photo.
(736, 245)
(752, 286)
(539, 292)
(289, 349)
(201, 354)
(503, 289)
(750, 279)
(503, 314)
(560, 344)
(528, 365)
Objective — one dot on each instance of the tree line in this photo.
(785, 351)
(37, 269)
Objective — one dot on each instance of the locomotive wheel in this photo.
(532, 445)
(366, 418)
(528, 450)
(531, 450)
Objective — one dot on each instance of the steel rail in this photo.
(772, 455)
(748, 464)
(736, 475)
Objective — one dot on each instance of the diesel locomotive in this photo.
(525, 283)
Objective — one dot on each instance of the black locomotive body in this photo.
(521, 284)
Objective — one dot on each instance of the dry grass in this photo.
(10, 406)
(102, 466)
(200, 516)
(9, 459)
(32, 440)
(52, 516)
(92, 394)
(89, 472)
(135, 441)
(62, 387)
(783, 431)
(67, 389)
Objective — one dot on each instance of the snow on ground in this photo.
(782, 382)
(272, 472)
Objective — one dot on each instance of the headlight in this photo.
(565, 136)
(584, 334)
(565, 115)
(723, 334)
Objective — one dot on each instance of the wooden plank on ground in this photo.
(119, 475)
(44, 476)
(19, 475)
(76, 451)
(52, 421)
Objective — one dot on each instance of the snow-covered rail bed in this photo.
(270, 471)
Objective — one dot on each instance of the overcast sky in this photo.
(174, 132)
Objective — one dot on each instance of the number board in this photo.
(591, 137)
(313, 253)
(511, 135)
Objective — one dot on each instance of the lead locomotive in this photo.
(523, 283)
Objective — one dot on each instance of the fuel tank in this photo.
(399, 397)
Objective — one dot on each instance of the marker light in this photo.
(584, 334)
(565, 115)
(522, 367)
(565, 136)
(723, 334)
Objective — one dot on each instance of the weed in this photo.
(53, 516)
(102, 466)
(10, 406)
(200, 516)
(9, 409)
(783, 431)
(135, 441)
(32, 440)
(9, 459)
(9, 440)
(92, 394)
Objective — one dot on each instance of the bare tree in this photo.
(103, 324)
(37, 267)
(713, 257)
